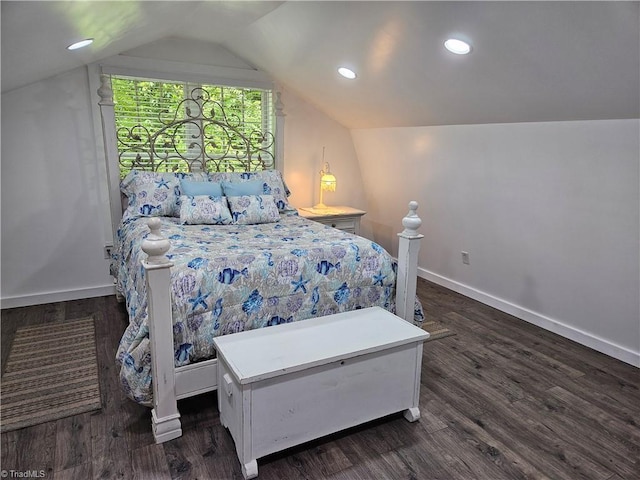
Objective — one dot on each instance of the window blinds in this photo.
(146, 107)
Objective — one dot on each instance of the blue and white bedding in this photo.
(228, 278)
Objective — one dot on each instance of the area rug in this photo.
(436, 330)
(52, 373)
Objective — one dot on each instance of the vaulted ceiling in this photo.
(530, 61)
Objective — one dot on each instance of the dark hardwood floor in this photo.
(502, 399)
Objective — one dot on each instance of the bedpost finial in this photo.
(411, 222)
(279, 106)
(155, 245)
(105, 91)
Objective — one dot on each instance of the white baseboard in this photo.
(584, 338)
(58, 296)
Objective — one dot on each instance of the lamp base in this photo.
(320, 206)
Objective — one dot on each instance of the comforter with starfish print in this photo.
(230, 278)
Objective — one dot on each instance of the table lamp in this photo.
(327, 183)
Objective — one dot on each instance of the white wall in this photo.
(52, 235)
(54, 203)
(307, 130)
(549, 213)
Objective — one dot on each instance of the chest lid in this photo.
(272, 351)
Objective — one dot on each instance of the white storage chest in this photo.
(287, 384)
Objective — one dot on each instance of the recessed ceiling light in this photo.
(80, 44)
(457, 46)
(347, 73)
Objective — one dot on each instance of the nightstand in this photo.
(341, 217)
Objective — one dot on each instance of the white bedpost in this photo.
(108, 118)
(279, 111)
(408, 248)
(165, 417)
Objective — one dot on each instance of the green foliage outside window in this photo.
(168, 126)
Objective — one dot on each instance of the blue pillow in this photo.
(242, 188)
(194, 189)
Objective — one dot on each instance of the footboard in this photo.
(170, 383)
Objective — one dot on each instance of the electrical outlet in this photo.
(107, 251)
(465, 258)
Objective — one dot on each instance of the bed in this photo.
(192, 266)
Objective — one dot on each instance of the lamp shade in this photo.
(328, 182)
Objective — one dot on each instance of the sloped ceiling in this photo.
(531, 61)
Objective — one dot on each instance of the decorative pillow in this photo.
(192, 188)
(151, 196)
(252, 209)
(154, 193)
(238, 189)
(272, 184)
(204, 209)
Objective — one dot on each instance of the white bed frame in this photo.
(171, 383)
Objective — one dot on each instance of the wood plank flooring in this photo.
(501, 399)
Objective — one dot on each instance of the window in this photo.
(177, 126)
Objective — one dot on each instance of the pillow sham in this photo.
(238, 189)
(192, 188)
(204, 210)
(253, 209)
(152, 194)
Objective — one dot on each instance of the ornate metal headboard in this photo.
(198, 135)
